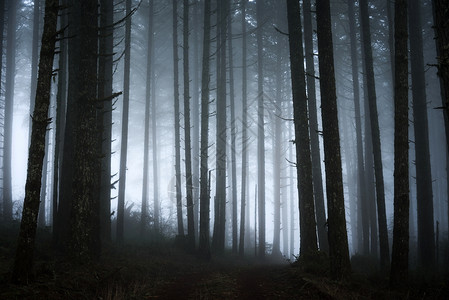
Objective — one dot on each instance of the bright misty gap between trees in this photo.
(264, 130)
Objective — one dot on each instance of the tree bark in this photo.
(399, 259)
(302, 142)
(362, 202)
(313, 128)
(260, 129)
(124, 136)
(221, 134)
(177, 122)
(337, 234)
(441, 27)
(85, 233)
(244, 208)
(105, 71)
(378, 169)
(23, 263)
(233, 132)
(204, 246)
(187, 139)
(424, 193)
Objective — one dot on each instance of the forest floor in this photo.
(165, 272)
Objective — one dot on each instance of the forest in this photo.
(224, 149)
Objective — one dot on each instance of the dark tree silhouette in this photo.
(177, 122)
(85, 229)
(375, 135)
(399, 259)
(362, 203)
(204, 246)
(260, 129)
(424, 193)
(313, 128)
(187, 139)
(23, 263)
(243, 206)
(124, 137)
(302, 142)
(338, 239)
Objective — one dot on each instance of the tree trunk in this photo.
(362, 203)
(233, 132)
(399, 259)
(196, 116)
(9, 107)
(302, 142)
(313, 127)
(187, 140)
(105, 71)
(23, 263)
(61, 104)
(146, 143)
(34, 60)
(2, 26)
(221, 137)
(177, 122)
(244, 208)
(204, 247)
(154, 131)
(424, 194)
(260, 129)
(124, 136)
(441, 27)
(85, 233)
(338, 240)
(378, 169)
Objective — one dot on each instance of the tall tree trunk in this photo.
(2, 26)
(292, 200)
(187, 140)
(441, 27)
(67, 164)
(204, 247)
(146, 143)
(221, 138)
(177, 122)
(277, 139)
(244, 208)
(362, 202)
(196, 115)
(154, 131)
(9, 107)
(399, 259)
(85, 233)
(378, 169)
(313, 127)
(34, 60)
(59, 120)
(124, 136)
(23, 263)
(105, 71)
(369, 170)
(233, 132)
(424, 195)
(338, 239)
(302, 142)
(260, 129)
